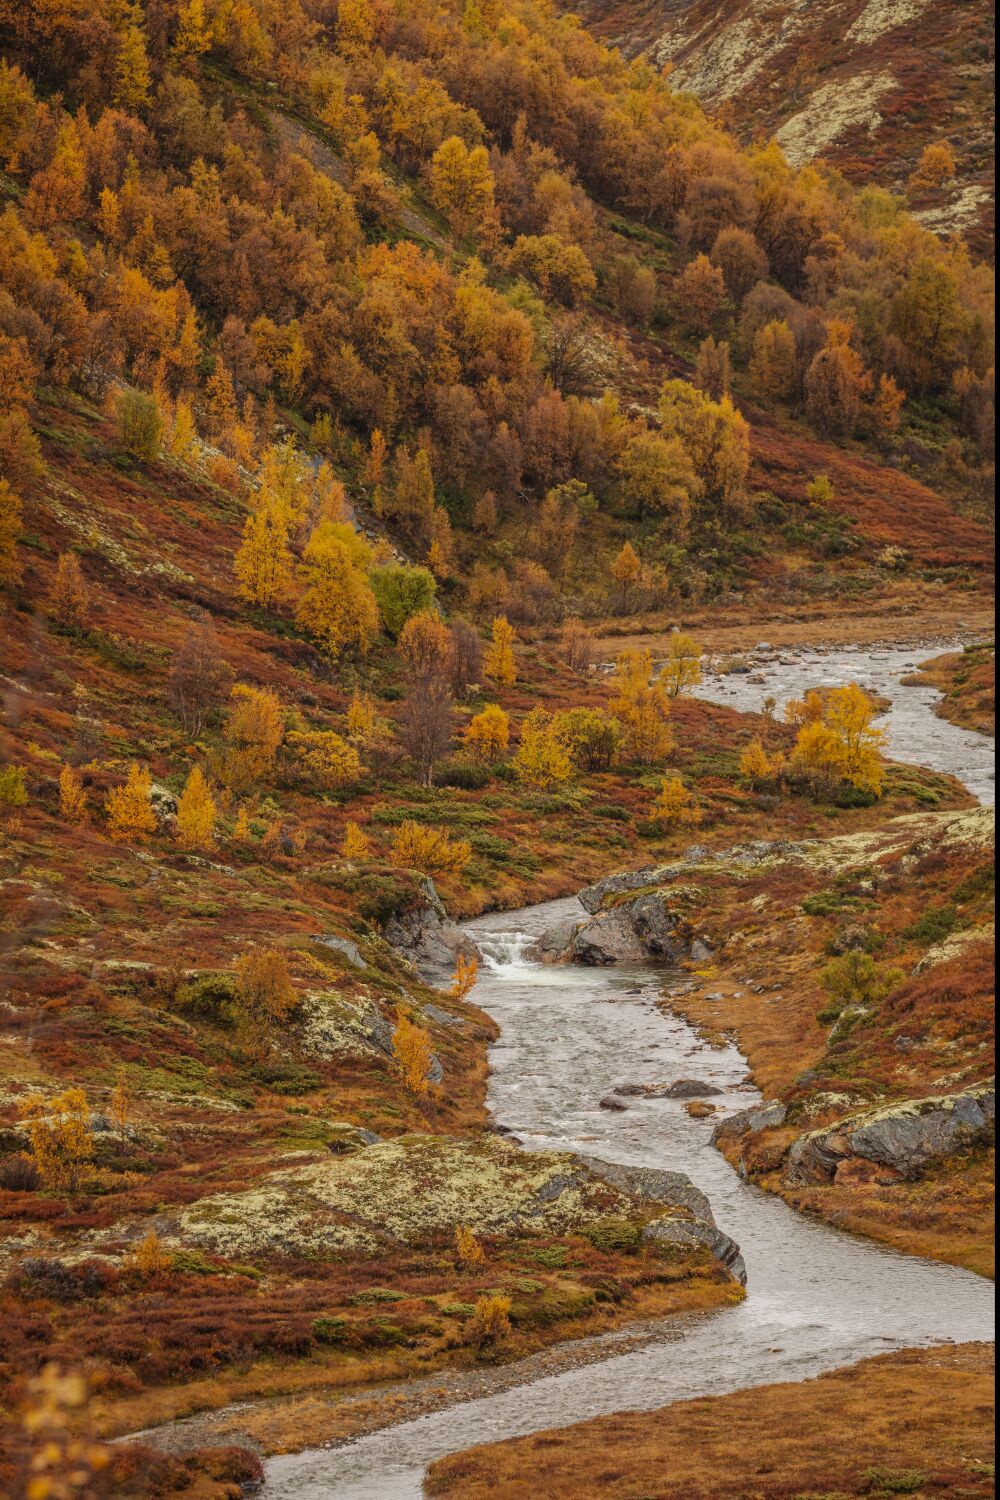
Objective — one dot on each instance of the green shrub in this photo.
(937, 923)
(614, 1234)
(13, 792)
(465, 775)
(208, 997)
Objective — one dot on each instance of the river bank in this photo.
(918, 1422)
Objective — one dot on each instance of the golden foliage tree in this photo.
(936, 167)
(682, 667)
(252, 736)
(487, 734)
(10, 533)
(757, 766)
(337, 605)
(626, 570)
(432, 851)
(70, 593)
(356, 844)
(196, 812)
(61, 1139)
(467, 1248)
(543, 759)
(675, 804)
(465, 976)
(500, 663)
(72, 797)
(264, 996)
(461, 185)
(131, 818)
(324, 757)
(642, 708)
(263, 564)
(412, 1055)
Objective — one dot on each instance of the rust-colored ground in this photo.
(914, 1423)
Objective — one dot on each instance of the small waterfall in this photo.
(503, 950)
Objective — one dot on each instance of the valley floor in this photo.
(914, 1423)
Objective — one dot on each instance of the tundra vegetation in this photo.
(363, 372)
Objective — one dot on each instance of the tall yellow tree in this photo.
(543, 759)
(196, 812)
(337, 604)
(131, 818)
(500, 662)
(10, 533)
(263, 564)
(462, 185)
(642, 707)
(682, 667)
(252, 736)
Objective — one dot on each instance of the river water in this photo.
(817, 1298)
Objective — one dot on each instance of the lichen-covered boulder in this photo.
(414, 1191)
(903, 1138)
(652, 924)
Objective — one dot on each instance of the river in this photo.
(817, 1298)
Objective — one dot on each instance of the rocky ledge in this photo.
(414, 1191)
(898, 1140)
(658, 924)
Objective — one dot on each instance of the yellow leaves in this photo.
(263, 564)
(361, 717)
(326, 758)
(491, 1319)
(757, 766)
(264, 995)
(543, 758)
(500, 663)
(461, 185)
(836, 740)
(642, 708)
(60, 1136)
(412, 1055)
(69, 597)
(11, 514)
(682, 668)
(130, 814)
(196, 813)
(337, 604)
(430, 850)
(356, 845)
(487, 735)
(467, 1248)
(148, 1260)
(253, 732)
(465, 976)
(675, 804)
(72, 797)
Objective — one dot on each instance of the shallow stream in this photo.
(817, 1298)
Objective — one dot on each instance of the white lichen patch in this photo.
(880, 16)
(333, 1027)
(959, 213)
(833, 110)
(402, 1192)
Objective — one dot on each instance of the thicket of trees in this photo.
(221, 262)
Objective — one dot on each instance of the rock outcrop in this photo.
(652, 924)
(695, 1226)
(901, 1139)
(415, 1189)
(423, 933)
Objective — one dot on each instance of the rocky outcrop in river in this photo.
(658, 924)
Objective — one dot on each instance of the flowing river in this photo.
(817, 1298)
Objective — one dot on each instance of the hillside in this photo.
(863, 84)
(363, 369)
